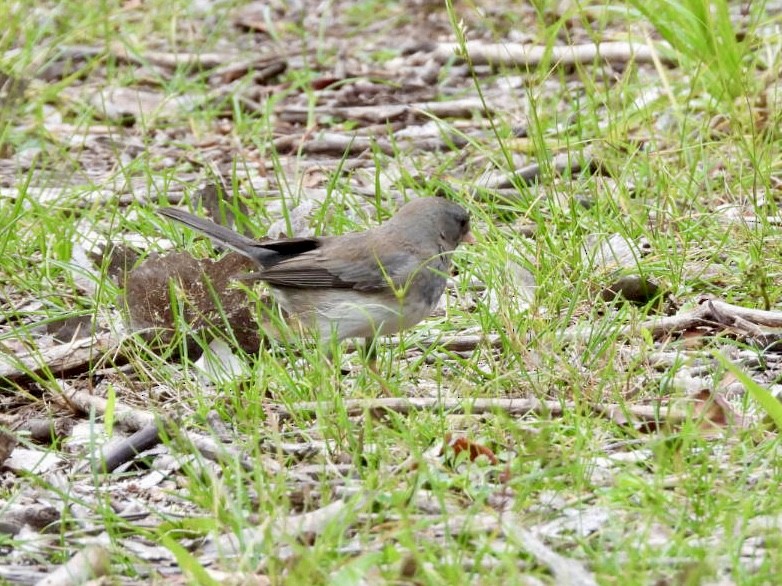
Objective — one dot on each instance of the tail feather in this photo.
(220, 235)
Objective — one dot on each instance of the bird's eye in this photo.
(463, 222)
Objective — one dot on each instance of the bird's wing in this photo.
(361, 270)
(291, 246)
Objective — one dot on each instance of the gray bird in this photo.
(360, 285)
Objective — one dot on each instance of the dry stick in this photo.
(514, 54)
(44, 430)
(337, 145)
(57, 359)
(172, 60)
(658, 327)
(708, 312)
(124, 415)
(736, 322)
(462, 343)
(114, 456)
(516, 407)
(566, 572)
(91, 562)
(771, 319)
(136, 419)
(284, 530)
(380, 114)
(99, 197)
(529, 174)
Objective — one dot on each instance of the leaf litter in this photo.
(362, 107)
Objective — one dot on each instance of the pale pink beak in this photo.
(468, 238)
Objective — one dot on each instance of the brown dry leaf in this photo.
(218, 201)
(695, 338)
(148, 300)
(712, 412)
(326, 81)
(708, 408)
(119, 258)
(649, 427)
(255, 16)
(461, 444)
(315, 177)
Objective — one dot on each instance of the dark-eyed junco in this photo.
(360, 285)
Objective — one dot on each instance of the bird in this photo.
(359, 285)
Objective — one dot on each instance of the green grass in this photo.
(679, 147)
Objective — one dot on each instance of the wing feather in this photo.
(322, 268)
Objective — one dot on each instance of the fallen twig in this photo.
(284, 530)
(515, 407)
(56, 359)
(463, 108)
(114, 456)
(514, 54)
(566, 572)
(124, 415)
(91, 562)
(709, 312)
(136, 419)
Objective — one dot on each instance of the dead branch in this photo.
(114, 456)
(136, 419)
(171, 60)
(528, 175)
(709, 312)
(56, 359)
(463, 108)
(771, 319)
(566, 572)
(514, 54)
(514, 407)
(44, 430)
(91, 562)
(124, 415)
(284, 530)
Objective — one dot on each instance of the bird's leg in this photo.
(370, 354)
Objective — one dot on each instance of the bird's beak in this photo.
(468, 238)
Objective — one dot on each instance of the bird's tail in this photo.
(220, 234)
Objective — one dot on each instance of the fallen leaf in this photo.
(461, 444)
(221, 365)
(633, 288)
(713, 411)
(205, 286)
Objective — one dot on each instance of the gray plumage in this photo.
(365, 284)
